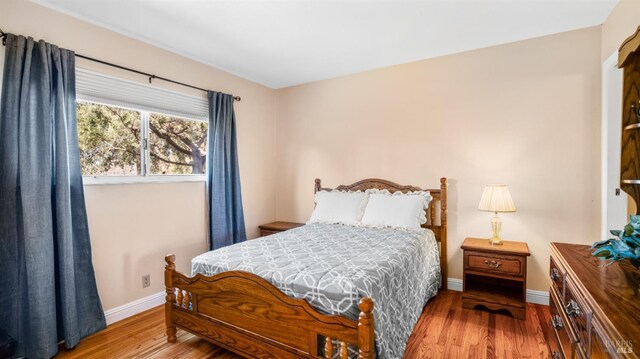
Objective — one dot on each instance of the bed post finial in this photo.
(443, 233)
(170, 259)
(318, 186)
(366, 336)
(169, 270)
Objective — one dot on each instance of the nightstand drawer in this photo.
(277, 227)
(264, 232)
(493, 263)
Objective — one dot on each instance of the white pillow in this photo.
(398, 210)
(339, 207)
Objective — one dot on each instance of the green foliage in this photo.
(177, 146)
(109, 139)
(626, 245)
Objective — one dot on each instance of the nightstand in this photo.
(277, 227)
(495, 276)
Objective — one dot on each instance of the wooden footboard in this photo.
(246, 314)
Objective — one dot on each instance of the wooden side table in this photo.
(277, 227)
(495, 276)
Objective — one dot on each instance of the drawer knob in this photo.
(556, 322)
(555, 355)
(555, 274)
(572, 309)
(492, 263)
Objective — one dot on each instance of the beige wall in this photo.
(133, 226)
(621, 23)
(525, 114)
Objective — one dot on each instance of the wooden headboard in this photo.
(438, 224)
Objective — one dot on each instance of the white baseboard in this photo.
(137, 306)
(533, 296)
(537, 297)
(454, 284)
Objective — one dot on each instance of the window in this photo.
(121, 142)
(134, 132)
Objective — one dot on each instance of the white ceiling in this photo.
(288, 42)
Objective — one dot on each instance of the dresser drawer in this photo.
(557, 275)
(494, 263)
(554, 349)
(579, 315)
(561, 328)
(598, 346)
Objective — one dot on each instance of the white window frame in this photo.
(145, 175)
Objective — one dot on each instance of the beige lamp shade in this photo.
(496, 198)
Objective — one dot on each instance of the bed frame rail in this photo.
(246, 314)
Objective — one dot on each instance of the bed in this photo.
(307, 292)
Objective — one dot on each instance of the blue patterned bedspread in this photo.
(333, 266)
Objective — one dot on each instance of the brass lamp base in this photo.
(495, 241)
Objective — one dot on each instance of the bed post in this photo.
(366, 335)
(443, 232)
(169, 269)
(317, 187)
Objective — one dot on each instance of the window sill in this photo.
(109, 180)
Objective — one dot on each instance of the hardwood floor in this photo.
(445, 330)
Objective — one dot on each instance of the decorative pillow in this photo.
(339, 207)
(396, 210)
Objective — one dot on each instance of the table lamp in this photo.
(496, 199)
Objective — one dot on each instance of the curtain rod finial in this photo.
(237, 98)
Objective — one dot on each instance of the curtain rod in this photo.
(151, 77)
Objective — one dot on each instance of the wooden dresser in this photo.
(595, 311)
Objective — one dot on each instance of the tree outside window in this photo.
(122, 142)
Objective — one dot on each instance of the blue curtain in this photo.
(47, 284)
(226, 218)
